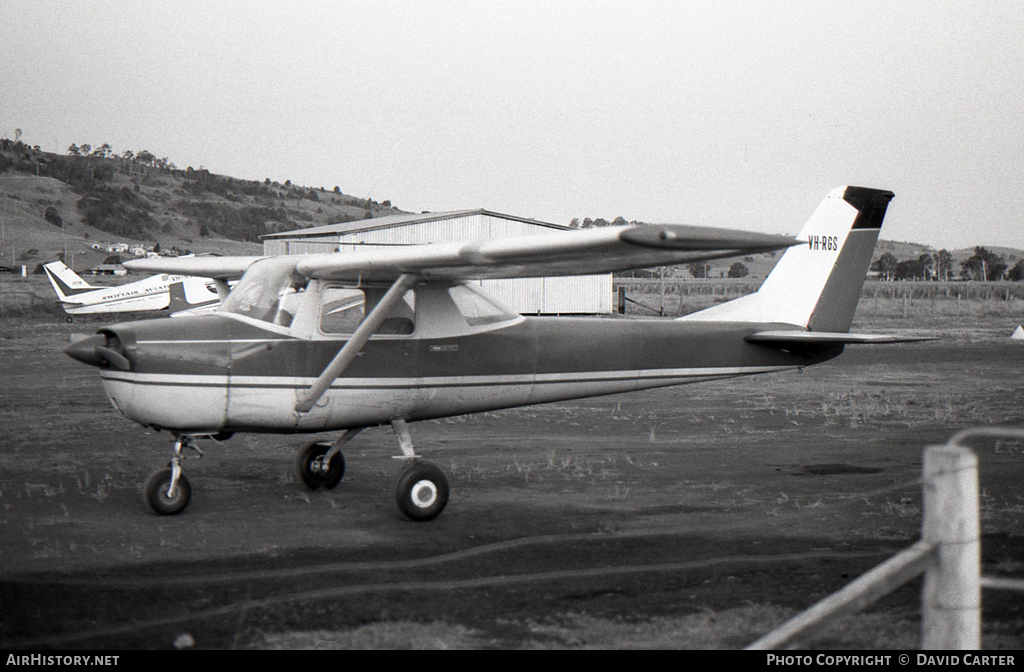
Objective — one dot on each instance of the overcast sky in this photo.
(736, 114)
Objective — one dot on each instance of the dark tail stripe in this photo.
(871, 204)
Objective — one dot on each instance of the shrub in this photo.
(53, 217)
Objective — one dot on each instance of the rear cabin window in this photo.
(477, 308)
(342, 310)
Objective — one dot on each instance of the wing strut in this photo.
(355, 344)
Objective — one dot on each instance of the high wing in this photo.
(218, 268)
(591, 251)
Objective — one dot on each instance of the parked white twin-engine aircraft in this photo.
(183, 294)
(348, 341)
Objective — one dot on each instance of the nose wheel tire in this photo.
(422, 492)
(312, 470)
(154, 492)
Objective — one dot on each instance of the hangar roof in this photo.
(409, 219)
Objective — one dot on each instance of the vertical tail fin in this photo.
(65, 281)
(817, 285)
(192, 296)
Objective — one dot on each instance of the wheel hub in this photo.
(424, 493)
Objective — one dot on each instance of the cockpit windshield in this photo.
(269, 292)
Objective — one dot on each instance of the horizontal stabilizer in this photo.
(793, 337)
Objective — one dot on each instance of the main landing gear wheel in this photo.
(422, 492)
(312, 470)
(154, 492)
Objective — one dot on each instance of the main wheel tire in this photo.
(154, 492)
(422, 492)
(313, 478)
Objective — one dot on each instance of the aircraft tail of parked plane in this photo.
(153, 293)
(816, 285)
(193, 296)
(66, 282)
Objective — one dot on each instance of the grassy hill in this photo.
(51, 202)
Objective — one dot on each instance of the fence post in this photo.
(951, 598)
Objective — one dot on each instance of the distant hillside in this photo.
(903, 250)
(49, 201)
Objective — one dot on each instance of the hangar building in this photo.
(589, 294)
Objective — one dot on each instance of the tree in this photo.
(943, 265)
(885, 266)
(983, 265)
(738, 270)
(53, 217)
(913, 269)
(73, 150)
(927, 266)
(1016, 274)
(699, 269)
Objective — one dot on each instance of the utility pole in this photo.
(661, 311)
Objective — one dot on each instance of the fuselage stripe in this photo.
(275, 382)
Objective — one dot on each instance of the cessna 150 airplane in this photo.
(184, 295)
(346, 341)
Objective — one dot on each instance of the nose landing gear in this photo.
(167, 491)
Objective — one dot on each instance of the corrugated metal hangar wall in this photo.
(585, 294)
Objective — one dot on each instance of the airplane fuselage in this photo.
(126, 298)
(222, 374)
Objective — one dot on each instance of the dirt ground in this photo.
(695, 517)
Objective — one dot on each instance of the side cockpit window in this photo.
(342, 310)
